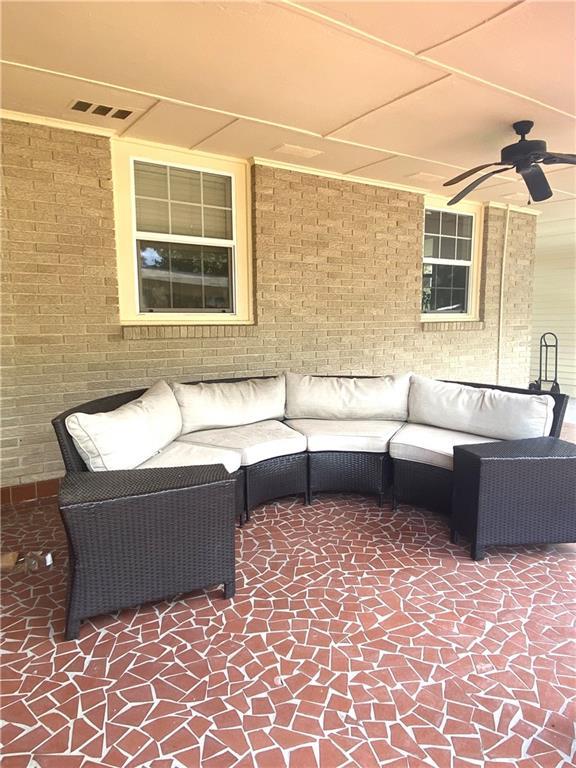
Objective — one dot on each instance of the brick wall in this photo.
(337, 290)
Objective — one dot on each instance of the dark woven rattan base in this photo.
(514, 492)
(423, 485)
(146, 536)
(277, 477)
(350, 471)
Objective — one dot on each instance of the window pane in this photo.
(153, 255)
(217, 190)
(186, 258)
(432, 222)
(184, 277)
(431, 246)
(154, 275)
(447, 248)
(464, 225)
(217, 277)
(441, 299)
(151, 215)
(187, 291)
(426, 287)
(185, 185)
(445, 289)
(448, 223)
(464, 250)
(151, 180)
(186, 219)
(442, 276)
(155, 292)
(460, 277)
(218, 223)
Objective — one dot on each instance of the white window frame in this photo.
(125, 153)
(433, 203)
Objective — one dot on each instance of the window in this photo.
(182, 230)
(449, 264)
(191, 271)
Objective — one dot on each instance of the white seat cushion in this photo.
(479, 410)
(357, 435)
(127, 436)
(180, 454)
(255, 442)
(341, 397)
(431, 445)
(230, 404)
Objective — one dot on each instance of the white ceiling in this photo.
(404, 92)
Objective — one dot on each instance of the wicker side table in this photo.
(141, 535)
(514, 492)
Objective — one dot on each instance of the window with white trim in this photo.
(183, 228)
(448, 263)
(184, 239)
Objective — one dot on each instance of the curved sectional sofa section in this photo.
(299, 434)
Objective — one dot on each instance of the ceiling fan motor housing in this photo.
(515, 153)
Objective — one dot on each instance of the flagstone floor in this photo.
(357, 637)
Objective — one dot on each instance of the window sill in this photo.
(451, 325)
(188, 331)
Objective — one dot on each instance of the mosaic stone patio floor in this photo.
(357, 637)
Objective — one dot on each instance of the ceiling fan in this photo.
(524, 157)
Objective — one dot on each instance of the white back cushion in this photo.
(209, 406)
(336, 397)
(486, 412)
(124, 438)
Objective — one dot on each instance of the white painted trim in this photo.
(476, 210)
(124, 151)
(514, 208)
(502, 291)
(53, 122)
(336, 175)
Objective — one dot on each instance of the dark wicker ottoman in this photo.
(514, 492)
(141, 535)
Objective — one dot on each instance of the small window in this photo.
(184, 239)
(447, 271)
(183, 245)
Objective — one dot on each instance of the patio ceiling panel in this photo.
(563, 177)
(182, 126)
(530, 49)
(42, 93)
(558, 209)
(253, 59)
(410, 171)
(244, 138)
(456, 121)
(394, 21)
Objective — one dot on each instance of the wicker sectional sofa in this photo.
(161, 450)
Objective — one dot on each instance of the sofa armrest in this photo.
(78, 488)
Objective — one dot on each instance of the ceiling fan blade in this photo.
(465, 175)
(536, 182)
(555, 157)
(474, 184)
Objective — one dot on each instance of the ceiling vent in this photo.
(295, 151)
(101, 110)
